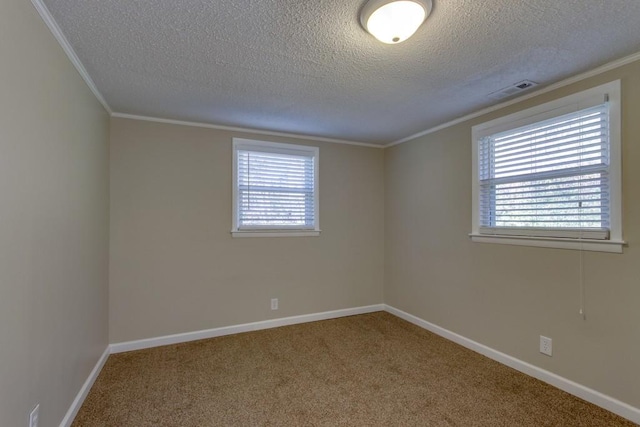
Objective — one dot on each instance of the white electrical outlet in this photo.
(545, 345)
(34, 416)
(274, 303)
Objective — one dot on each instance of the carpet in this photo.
(366, 370)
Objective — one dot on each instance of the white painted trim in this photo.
(584, 240)
(84, 390)
(288, 233)
(623, 409)
(313, 152)
(64, 43)
(611, 246)
(566, 82)
(236, 329)
(244, 130)
(66, 46)
(607, 402)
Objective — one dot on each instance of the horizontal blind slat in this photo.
(548, 174)
(275, 190)
(550, 136)
(553, 123)
(547, 152)
(560, 140)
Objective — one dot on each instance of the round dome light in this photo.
(394, 21)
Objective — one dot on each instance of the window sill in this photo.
(612, 246)
(275, 233)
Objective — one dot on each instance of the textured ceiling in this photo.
(307, 67)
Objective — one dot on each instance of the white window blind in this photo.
(549, 178)
(275, 187)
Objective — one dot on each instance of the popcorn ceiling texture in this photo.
(308, 66)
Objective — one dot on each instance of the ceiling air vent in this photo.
(512, 90)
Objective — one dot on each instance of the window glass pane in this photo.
(275, 190)
(571, 202)
(551, 174)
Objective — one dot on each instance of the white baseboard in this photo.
(607, 402)
(236, 329)
(192, 336)
(84, 391)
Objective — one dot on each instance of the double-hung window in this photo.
(275, 189)
(550, 175)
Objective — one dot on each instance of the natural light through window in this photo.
(552, 172)
(275, 189)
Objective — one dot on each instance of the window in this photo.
(275, 189)
(550, 175)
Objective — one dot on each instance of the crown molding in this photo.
(48, 19)
(46, 16)
(566, 82)
(242, 129)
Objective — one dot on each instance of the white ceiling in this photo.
(308, 67)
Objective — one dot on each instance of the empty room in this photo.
(319, 213)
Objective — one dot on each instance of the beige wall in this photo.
(506, 296)
(175, 268)
(53, 222)
(174, 265)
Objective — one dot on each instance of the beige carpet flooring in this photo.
(368, 370)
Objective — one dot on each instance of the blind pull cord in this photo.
(582, 310)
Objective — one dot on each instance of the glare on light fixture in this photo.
(394, 21)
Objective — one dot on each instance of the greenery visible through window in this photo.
(551, 175)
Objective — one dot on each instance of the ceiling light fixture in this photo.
(393, 21)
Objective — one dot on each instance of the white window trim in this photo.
(274, 147)
(542, 112)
